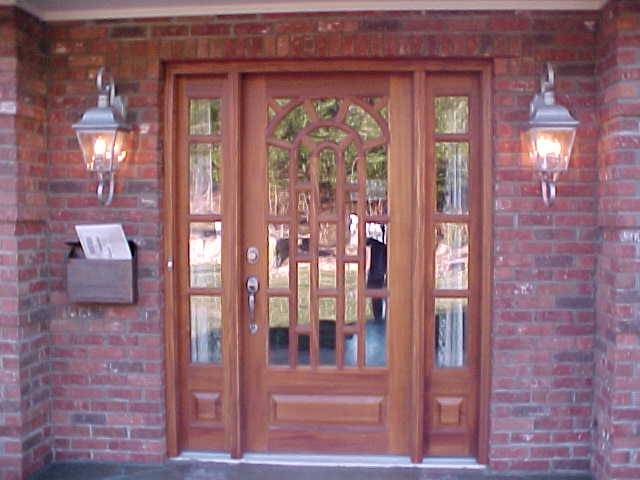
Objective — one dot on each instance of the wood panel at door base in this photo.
(339, 442)
(343, 409)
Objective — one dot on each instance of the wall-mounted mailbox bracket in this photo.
(101, 281)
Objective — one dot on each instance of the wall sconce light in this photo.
(104, 135)
(551, 134)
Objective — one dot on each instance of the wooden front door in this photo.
(327, 230)
(325, 207)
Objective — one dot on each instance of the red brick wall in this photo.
(25, 443)
(617, 352)
(107, 362)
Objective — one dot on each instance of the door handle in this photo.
(253, 285)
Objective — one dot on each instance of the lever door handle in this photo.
(253, 285)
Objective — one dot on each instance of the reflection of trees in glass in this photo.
(327, 272)
(304, 292)
(350, 163)
(204, 181)
(451, 314)
(377, 163)
(328, 134)
(377, 180)
(291, 124)
(327, 180)
(279, 312)
(363, 123)
(355, 129)
(327, 108)
(328, 236)
(206, 329)
(452, 114)
(278, 175)
(327, 309)
(303, 163)
(204, 116)
(452, 177)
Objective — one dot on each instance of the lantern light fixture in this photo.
(550, 136)
(104, 135)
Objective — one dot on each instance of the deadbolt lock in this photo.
(252, 255)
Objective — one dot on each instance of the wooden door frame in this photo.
(234, 70)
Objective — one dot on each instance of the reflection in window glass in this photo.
(370, 100)
(278, 255)
(204, 178)
(351, 163)
(204, 117)
(327, 308)
(206, 329)
(291, 124)
(278, 173)
(363, 123)
(377, 181)
(303, 349)
(452, 256)
(327, 173)
(351, 350)
(327, 108)
(282, 102)
(304, 229)
(376, 255)
(352, 223)
(327, 332)
(279, 331)
(452, 178)
(328, 134)
(327, 255)
(303, 163)
(451, 316)
(205, 254)
(376, 332)
(350, 293)
(452, 114)
(304, 293)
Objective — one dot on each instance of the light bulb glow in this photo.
(548, 146)
(100, 146)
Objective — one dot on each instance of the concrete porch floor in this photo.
(221, 471)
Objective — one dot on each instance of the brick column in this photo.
(25, 443)
(616, 452)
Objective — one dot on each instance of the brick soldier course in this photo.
(87, 383)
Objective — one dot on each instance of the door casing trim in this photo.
(234, 70)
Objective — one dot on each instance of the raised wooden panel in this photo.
(448, 411)
(207, 407)
(328, 409)
(336, 440)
